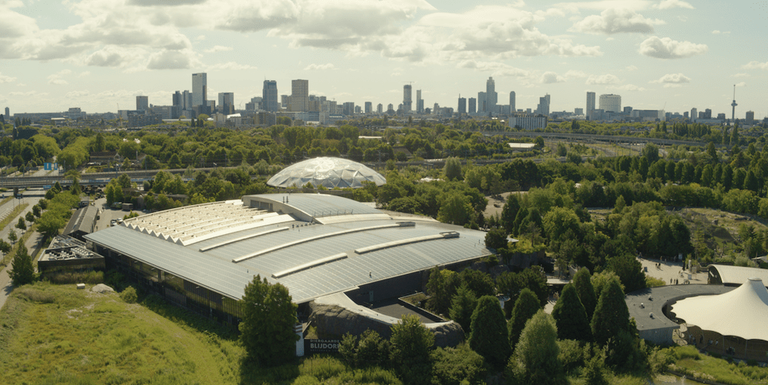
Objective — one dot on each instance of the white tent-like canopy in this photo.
(741, 312)
(328, 172)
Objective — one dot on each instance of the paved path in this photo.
(669, 271)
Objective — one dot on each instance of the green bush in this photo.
(129, 295)
(456, 366)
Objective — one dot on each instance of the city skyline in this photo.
(99, 54)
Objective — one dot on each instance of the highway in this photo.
(598, 138)
(97, 178)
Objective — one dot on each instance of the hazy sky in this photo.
(98, 54)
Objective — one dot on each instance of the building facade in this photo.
(490, 95)
(590, 104)
(610, 103)
(269, 96)
(227, 103)
(199, 89)
(142, 103)
(407, 101)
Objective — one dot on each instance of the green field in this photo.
(56, 334)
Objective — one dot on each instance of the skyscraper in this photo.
(462, 105)
(543, 107)
(407, 93)
(199, 89)
(299, 99)
(590, 104)
(481, 102)
(472, 105)
(490, 95)
(610, 103)
(178, 105)
(512, 109)
(379, 108)
(269, 96)
(7, 114)
(419, 102)
(142, 103)
(750, 117)
(227, 102)
(368, 107)
(694, 114)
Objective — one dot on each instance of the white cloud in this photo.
(666, 48)
(162, 3)
(614, 20)
(218, 48)
(668, 4)
(602, 79)
(326, 66)
(571, 74)
(169, 60)
(740, 75)
(718, 32)
(551, 77)
(230, 66)
(754, 65)
(495, 68)
(57, 77)
(631, 68)
(741, 84)
(6, 79)
(630, 87)
(672, 80)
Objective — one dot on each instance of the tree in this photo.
(611, 314)
(21, 225)
(539, 142)
(411, 344)
(452, 169)
(651, 153)
(525, 307)
(23, 272)
(30, 217)
(49, 224)
(496, 239)
(570, 316)
(455, 208)
(535, 360)
(583, 285)
(489, 336)
(629, 270)
(456, 366)
(269, 316)
(440, 287)
(462, 307)
(12, 236)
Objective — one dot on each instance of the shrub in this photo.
(129, 295)
(457, 365)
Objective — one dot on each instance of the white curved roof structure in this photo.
(327, 172)
(741, 312)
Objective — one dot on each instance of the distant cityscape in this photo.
(300, 105)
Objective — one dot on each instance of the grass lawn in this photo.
(697, 365)
(60, 335)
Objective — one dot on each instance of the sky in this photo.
(661, 54)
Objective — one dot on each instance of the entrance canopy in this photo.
(740, 313)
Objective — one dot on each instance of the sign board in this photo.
(321, 346)
(47, 166)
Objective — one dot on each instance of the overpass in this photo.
(90, 179)
(574, 137)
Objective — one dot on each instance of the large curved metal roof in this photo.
(327, 172)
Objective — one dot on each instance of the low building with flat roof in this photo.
(203, 256)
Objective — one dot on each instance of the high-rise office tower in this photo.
(694, 113)
(284, 101)
(490, 95)
(481, 102)
(610, 103)
(227, 102)
(407, 93)
(299, 99)
(750, 116)
(7, 114)
(142, 103)
(708, 113)
(472, 105)
(512, 109)
(269, 96)
(543, 107)
(462, 105)
(419, 102)
(379, 108)
(199, 89)
(590, 104)
(368, 107)
(186, 99)
(178, 105)
(348, 108)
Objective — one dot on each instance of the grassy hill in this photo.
(56, 334)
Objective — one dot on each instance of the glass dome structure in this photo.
(327, 172)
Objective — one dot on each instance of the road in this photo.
(31, 197)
